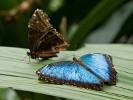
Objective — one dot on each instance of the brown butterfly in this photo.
(44, 40)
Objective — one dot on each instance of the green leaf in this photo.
(126, 28)
(116, 26)
(96, 16)
(8, 94)
(18, 73)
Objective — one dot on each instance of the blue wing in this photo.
(71, 73)
(101, 65)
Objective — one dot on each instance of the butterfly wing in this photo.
(71, 73)
(101, 65)
(37, 27)
(51, 43)
(44, 40)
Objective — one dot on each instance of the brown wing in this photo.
(44, 40)
(50, 44)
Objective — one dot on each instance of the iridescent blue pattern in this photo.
(89, 71)
(70, 71)
(98, 63)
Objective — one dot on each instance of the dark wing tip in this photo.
(113, 73)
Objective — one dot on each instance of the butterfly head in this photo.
(28, 53)
(32, 55)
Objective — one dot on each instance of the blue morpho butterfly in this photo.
(90, 71)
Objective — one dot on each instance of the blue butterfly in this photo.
(90, 71)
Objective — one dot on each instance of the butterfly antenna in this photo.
(74, 53)
(26, 56)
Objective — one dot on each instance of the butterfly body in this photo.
(79, 73)
(44, 40)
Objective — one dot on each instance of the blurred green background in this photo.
(85, 21)
(88, 21)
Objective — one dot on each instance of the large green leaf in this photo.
(18, 73)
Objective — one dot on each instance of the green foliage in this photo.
(8, 94)
(19, 74)
(98, 14)
(126, 29)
